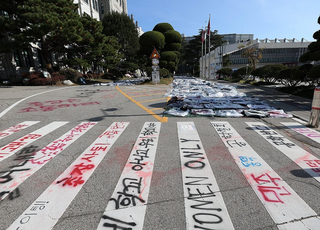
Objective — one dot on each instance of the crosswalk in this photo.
(204, 203)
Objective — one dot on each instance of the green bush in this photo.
(163, 63)
(118, 75)
(164, 73)
(173, 36)
(163, 27)
(171, 65)
(108, 76)
(149, 70)
(173, 46)
(168, 56)
(316, 35)
(152, 39)
(225, 71)
(71, 74)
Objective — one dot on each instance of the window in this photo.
(93, 4)
(41, 63)
(17, 57)
(102, 8)
(26, 57)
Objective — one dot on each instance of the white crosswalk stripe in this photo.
(32, 163)
(16, 128)
(15, 146)
(310, 133)
(281, 201)
(304, 159)
(203, 204)
(128, 204)
(68, 183)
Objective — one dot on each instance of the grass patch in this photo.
(164, 81)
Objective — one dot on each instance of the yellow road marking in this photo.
(138, 91)
(161, 119)
(152, 100)
(148, 95)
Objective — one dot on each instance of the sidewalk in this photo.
(297, 106)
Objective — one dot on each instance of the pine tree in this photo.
(53, 24)
(314, 48)
(123, 28)
(95, 49)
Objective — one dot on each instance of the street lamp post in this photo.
(247, 71)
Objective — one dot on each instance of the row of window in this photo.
(24, 58)
(265, 60)
(95, 4)
(121, 2)
(288, 51)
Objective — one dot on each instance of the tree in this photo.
(269, 73)
(314, 75)
(94, 50)
(313, 53)
(242, 72)
(192, 51)
(167, 41)
(225, 72)
(226, 60)
(52, 24)
(163, 27)
(252, 52)
(291, 77)
(170, 54)
(150, 40)
(123, 28)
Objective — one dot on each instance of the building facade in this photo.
(275, 51)
(88, 7)
(108, 6)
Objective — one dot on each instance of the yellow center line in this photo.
(138, 91)
(153, 100)
(156, 109)
(161, 119)
(148, 95)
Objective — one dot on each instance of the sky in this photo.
(263, 18)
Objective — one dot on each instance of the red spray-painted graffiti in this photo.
(55, 104)
(86, 163)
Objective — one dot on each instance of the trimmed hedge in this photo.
(152, 39)
(173, 36)
(168, 56)
(163, 27)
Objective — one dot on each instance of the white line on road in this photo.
(47, 209)
(310, 133)
(16, 103)
(15, 146)
(16, 128)
(302, 158)
(32, 162)
(281, 201)
(204, 204)
(127, 206)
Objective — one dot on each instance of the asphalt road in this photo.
(104, 157)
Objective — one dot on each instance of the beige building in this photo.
(108, 6)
